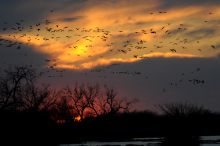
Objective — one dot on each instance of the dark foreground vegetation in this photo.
(33, 115)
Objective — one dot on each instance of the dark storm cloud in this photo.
(204, 32)
(181, 3)
(128, 36)
(74, 1)
(32, 12)
(161, 72)
(71, 19)
(25, 52)
(12, 11)
(196, 34)
(201, 33)
(10, 3)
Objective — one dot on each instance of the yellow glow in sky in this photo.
(102, 33)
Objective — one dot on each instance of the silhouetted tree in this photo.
(11, 83)
(83, 97)
(110, 104)
(38, 99)
(62, 111)
(89, 98)
(184, 121)
(180, 109)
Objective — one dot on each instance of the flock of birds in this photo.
(55, 32)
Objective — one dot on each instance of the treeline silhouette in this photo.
(33, 115)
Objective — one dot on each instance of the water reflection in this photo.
(181, 141)
(158, 141)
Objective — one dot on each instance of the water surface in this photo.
(141, 141)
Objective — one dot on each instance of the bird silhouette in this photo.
(102, 34)
(173, 50)
(135, 56)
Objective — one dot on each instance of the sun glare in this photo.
(77, 119)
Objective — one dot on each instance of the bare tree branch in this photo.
(11, 83)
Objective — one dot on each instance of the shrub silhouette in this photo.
(180, 109)
(34, 111)
(184, 120)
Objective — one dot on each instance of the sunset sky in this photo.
(155, 50)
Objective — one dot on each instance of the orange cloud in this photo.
(105, 32)
(170, 55)
(104, 62)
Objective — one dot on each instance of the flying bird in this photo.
(172, 50)
(135, 56)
